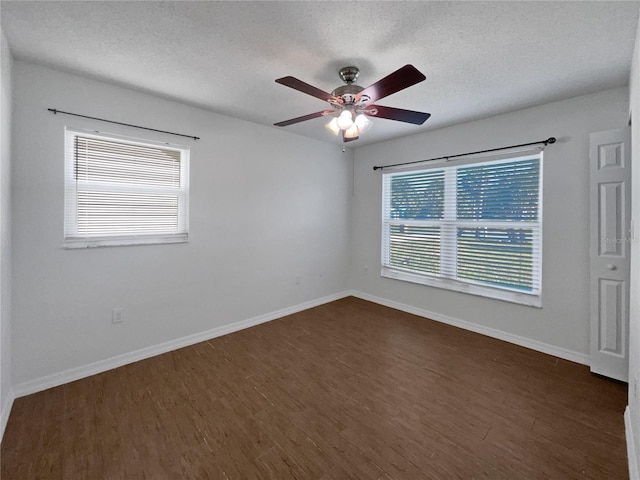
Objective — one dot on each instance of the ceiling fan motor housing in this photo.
(349, 75)
(348, 93)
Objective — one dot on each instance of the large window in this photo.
(121, 191)
(475, 228)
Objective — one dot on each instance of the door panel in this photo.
(611, 315)
(610, 248)
(611, 223)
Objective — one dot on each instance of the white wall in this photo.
(265, 205)
(563, 322)
(6, 395)
(634, 336)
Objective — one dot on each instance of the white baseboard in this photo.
(634, 468)
(4, 413)
(60, 378)
(474, 327)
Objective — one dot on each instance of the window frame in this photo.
(448, 230)
(75, 240)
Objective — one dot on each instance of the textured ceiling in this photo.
(480, 58)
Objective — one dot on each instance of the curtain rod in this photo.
(546, 142)
(55, 111)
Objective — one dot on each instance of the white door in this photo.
(610, 192)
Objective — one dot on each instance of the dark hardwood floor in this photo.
(347, 390)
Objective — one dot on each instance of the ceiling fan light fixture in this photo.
(332, 126)
(352, 131)
(345, 120)
(363, 122)
(351, 105)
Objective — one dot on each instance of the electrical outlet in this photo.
(117, 315)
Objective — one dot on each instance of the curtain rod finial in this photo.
(551, 140)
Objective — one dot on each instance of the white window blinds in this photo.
(122, 191)
(474, 228)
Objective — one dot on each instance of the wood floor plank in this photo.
(349, 390)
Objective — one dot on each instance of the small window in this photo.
(124, 191)
(473, 228)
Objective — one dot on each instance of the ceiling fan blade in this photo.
(303, 118)
(408, 116)
(392, 83)
(303, 87)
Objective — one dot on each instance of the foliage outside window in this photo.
(474, 228)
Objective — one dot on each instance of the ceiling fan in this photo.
(351, 104)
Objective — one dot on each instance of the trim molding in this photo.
(60, 378)
(66, 376)
(6, 410)
(474, 327)
(634, 468)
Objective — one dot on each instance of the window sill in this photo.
(75, 243)
(531, 300)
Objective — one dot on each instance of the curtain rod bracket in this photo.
(548, 141)
(56, 111)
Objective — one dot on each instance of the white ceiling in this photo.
(480, 58)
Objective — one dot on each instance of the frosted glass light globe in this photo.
(363, 123)
(352, 132)
(345, 120)
(332, 126)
